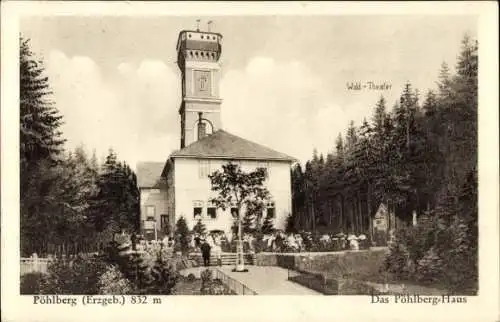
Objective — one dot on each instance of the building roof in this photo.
(149, 174)
(224, 145)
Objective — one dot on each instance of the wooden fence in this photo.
(33, 265)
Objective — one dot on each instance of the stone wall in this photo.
(352, 264)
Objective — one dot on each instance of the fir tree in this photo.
(268, 224)
(182, 235)
(41, 145)
(200, 228)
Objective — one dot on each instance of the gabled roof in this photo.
(224, 145)
(149, 174)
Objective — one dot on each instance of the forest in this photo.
(69, 201)
(418, 156)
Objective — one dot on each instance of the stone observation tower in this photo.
(198, 54)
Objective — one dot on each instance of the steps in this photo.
(227, 259)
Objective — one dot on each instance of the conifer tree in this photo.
(200, 228)
(41, 145)
(268, 225)
(181, 235)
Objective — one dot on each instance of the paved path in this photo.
(268, 280)
(265, 280)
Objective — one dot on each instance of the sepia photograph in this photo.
(214, 154)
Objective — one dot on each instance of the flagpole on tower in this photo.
(209, 23)
(198, 24)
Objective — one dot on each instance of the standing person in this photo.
(133, 239)
(205, 252)
(197, 240)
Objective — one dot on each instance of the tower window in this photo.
(201, 36)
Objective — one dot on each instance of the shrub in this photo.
(35, 283)
(159, 279)
(113, 282)
(81, 276)
(149, 272)
(191, 277)
(216, 287)
(200, 228)
(206, 275)
(430, 267)
(438, 251)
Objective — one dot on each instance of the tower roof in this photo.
(199, 40)
(224, 145)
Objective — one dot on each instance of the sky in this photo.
(284, 78)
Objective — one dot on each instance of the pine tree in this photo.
(379, 116)
(41, 145)
(268, 225)
(181, 235)
(200, 228)
(339, 148)
(40, 121)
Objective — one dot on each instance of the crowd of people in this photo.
(279, 241)
(213, 244)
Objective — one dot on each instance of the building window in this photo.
(197, 212)
(203, 169)
(271, 210)
(211, 212)
(150, 212)
(197, 209)
(163, 221)
(264, 165)
(234, 212)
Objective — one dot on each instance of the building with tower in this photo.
(180, 186)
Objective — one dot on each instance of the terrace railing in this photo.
(234, 285)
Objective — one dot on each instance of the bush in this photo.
(35, 283)
(210, 286)
(437, 251)
(149, 272)
(80, 276)
(159, 279)
(200, 228)
(113, 282)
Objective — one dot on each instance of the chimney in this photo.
(201, 126)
